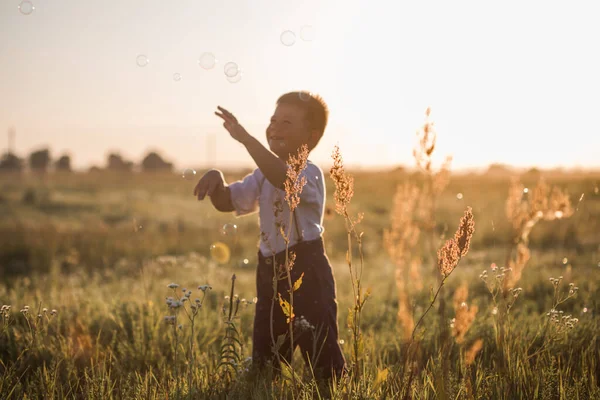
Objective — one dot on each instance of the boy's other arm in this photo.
(213, 184)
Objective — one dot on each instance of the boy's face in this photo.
(288, 130)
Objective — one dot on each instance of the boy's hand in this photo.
(208, 184)
(232, 125)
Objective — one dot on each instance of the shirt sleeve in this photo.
(245, 193)
(313, 192)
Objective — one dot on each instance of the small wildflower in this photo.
(302, 325)
(53, 312)
(173, 286)
(204, 288)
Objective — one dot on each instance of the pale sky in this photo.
(515, 82)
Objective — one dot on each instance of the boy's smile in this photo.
(288, 130)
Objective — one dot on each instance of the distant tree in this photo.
(39, 160)
(498, 169)
(11, 163)
(532, 175)
(155, 163)
(116, 163)
(63, 164)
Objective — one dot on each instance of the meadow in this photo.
(86, 261)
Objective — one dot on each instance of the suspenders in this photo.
(295, 221)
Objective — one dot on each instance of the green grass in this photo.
(68, 244)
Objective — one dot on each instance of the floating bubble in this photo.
(220, 252)
(188, 174)
(494, 310)
(207, 60)
(304, 96)
(245, 261)
(459, 196)
(288, 38)
(565, 260)
(236, 78)
(307, 33)
(463, 304)
(141, 60)
(176, 76)
(229, 229)
(341, 341)
(231, 69)
(26, 7)
(526, 190)
(585, 309)
(138, 227)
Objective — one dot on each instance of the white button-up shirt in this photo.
(255, 193)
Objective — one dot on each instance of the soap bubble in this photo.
(176, 76)
(341, 341)
(288, 38)
(220, 252)
(138, 226)
(307, 33)
(236, 78)
(459, 196)
(565, 260)
(229, 230)
(26, 7)
(495, 310)
(188, 174)
(304, 96)
(207, 60)
(231, 69)
(141, 60)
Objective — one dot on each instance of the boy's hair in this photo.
(315, 108)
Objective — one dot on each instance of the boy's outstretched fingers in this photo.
(226, 115)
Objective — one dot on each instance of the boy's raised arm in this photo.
(272, 167)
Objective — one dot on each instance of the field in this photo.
(101, 249)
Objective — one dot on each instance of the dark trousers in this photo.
(315, 302)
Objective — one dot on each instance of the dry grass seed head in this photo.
(295, 180)
(473, 351)
(344, 184)
(465, 232)
(465, 315)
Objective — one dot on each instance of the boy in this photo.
(299, 119)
